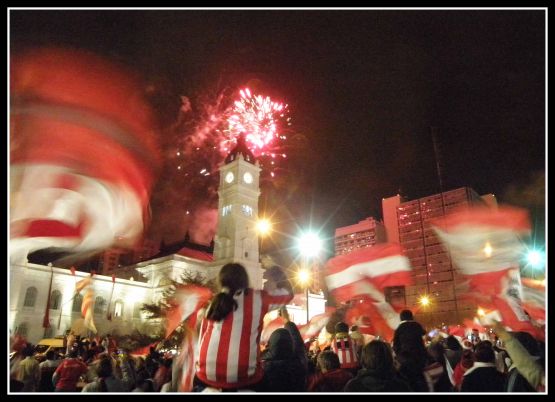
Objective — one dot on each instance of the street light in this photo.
(309, 245)
(535, 258)
(424, 301)
(303, 277)
(263, 226)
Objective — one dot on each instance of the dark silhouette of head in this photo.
(328, 361)
(341, 327)
(377, 356)
(28, 350)
(104, 368)
(50, 355)
(406, 315)
(483, 351)
(452, 343)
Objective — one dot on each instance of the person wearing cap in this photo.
(344, 347)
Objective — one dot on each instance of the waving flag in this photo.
(367, 272)
(486, 246)
(373, 318)
(83, 154)
(87, 310)
(533, 298)
(315, 325)
(187, 301)
(362, 276)
(269, 328)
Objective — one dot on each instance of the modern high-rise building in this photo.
(366, 233)
(433, 273)
(389, 210)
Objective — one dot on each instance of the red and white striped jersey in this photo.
(345, 349)
(229, 352)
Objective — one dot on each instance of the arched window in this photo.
(55, 299)
(118, 308)
(30, 297)
(137, 310)
(77, 301)
(22, 329)
(99, 305)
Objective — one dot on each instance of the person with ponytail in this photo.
(229, 352)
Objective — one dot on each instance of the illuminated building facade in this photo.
(433, 272)
(366, 233)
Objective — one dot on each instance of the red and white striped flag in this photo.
(373, 318)
(83, 153)
(533, 298)
(315, 325)
(269, 328)
(87, 309)
(365, 273)
(186, 360)
(486, 246)
(187, 301)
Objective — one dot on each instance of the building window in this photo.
(30, 297)
(55, 299)
(22, 329)
(247, 210)
(77, 302)
(118, 309)
(99, 304)
(226, 210)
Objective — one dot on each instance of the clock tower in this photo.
(236, 237)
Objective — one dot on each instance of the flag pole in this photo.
(46, 319)
(108, 313)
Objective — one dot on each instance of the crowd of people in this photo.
(230, 358)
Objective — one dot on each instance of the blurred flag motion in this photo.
(361, 277)
(486, 246)
(83, 153)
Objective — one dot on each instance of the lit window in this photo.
(247, 210)
(118, 309)
(226, 210)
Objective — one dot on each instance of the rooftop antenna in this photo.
(437, 157)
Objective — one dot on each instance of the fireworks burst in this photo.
(258, 117)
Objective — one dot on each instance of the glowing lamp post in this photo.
(535, 259)
(424, 301)
(309, 245)
(263, 226)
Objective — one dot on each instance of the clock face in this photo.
(229, 177)
(248, 178)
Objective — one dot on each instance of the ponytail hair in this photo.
(233, 278)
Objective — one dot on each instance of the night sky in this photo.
(364, 89)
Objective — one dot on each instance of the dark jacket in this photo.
(331, 381)
(408, 336)
(413, 377)
(372, 381)
(483, 377)
(283, 371)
